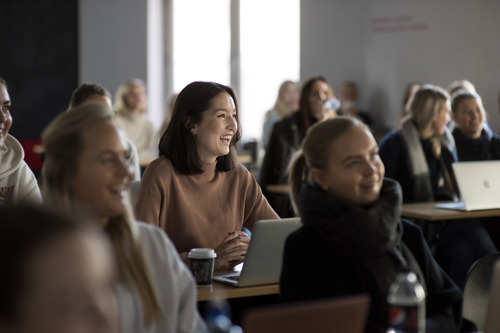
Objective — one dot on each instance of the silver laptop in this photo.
(265, 254)
(479, 186)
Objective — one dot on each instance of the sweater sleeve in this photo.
(28, 185)
(175, 285)
(256, 205)
(150, 196)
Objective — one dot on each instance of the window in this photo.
(269, 50)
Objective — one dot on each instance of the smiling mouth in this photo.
(226, 138)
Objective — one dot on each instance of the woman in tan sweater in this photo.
(196, 190)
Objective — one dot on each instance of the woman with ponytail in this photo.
(86, 174)
(353, 240)
(419, 156)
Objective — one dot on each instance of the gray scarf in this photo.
(417, 163)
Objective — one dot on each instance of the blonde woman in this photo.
(286, 102)
(419, 156)
(86, 174)
(130, 106)
(351, 216)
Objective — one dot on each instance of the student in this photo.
(419, 156)
(196, 190)
(55, 275)
(286, 103)
(348, 97)
(93, 92)
(410, 90)
(130, 107)
(352, 240)
(474, 140)
(86, 174)
(286, 137)
(17, 181)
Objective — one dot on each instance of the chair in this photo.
(346, 314)
(477, 290)
(134, 187)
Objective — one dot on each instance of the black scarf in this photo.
(469, 149)
(370, 236)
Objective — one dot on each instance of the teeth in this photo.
(226, 137)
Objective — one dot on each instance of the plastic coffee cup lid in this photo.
(201, 253)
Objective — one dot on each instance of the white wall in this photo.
(429, 41)
(332, 42)
(113, 45)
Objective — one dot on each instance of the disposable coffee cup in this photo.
(202, 264)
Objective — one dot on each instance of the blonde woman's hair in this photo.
(123, 90)
(428, 101)
(280, 104)
(315, 151)
(63, 142)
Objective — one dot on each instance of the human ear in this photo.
(189, 125)
(319, 177)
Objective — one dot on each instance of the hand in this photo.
(231, 251)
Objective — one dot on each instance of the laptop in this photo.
(492, 322)
(345, 314)
(479, 186)
(265, 254)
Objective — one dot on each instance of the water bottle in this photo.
(332, 104)
(406, 304)
(218, 317)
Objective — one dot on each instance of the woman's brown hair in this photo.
(178, 144)
(304, 106)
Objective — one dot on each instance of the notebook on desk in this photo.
(479, 186)
(265, 254)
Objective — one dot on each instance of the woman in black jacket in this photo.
(474, 139)
(286, 137)
(353, 240)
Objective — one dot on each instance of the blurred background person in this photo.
(348, 97)
(474, 140)
(55, 275)
(130, 107)
(458, 85)
(286, 102)
(286, 138)
(408, 94)
(93, 92)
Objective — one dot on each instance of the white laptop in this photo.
(265, 254)
(479, 186)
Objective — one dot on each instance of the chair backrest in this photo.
(492, 322)
(346, 314)
(134, 186)
(477, 290)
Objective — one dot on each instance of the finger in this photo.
(230, 236)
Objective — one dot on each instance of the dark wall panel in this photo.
(38, 59)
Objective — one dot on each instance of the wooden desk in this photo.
(278, 188)
(427, 211)
(221, 290)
